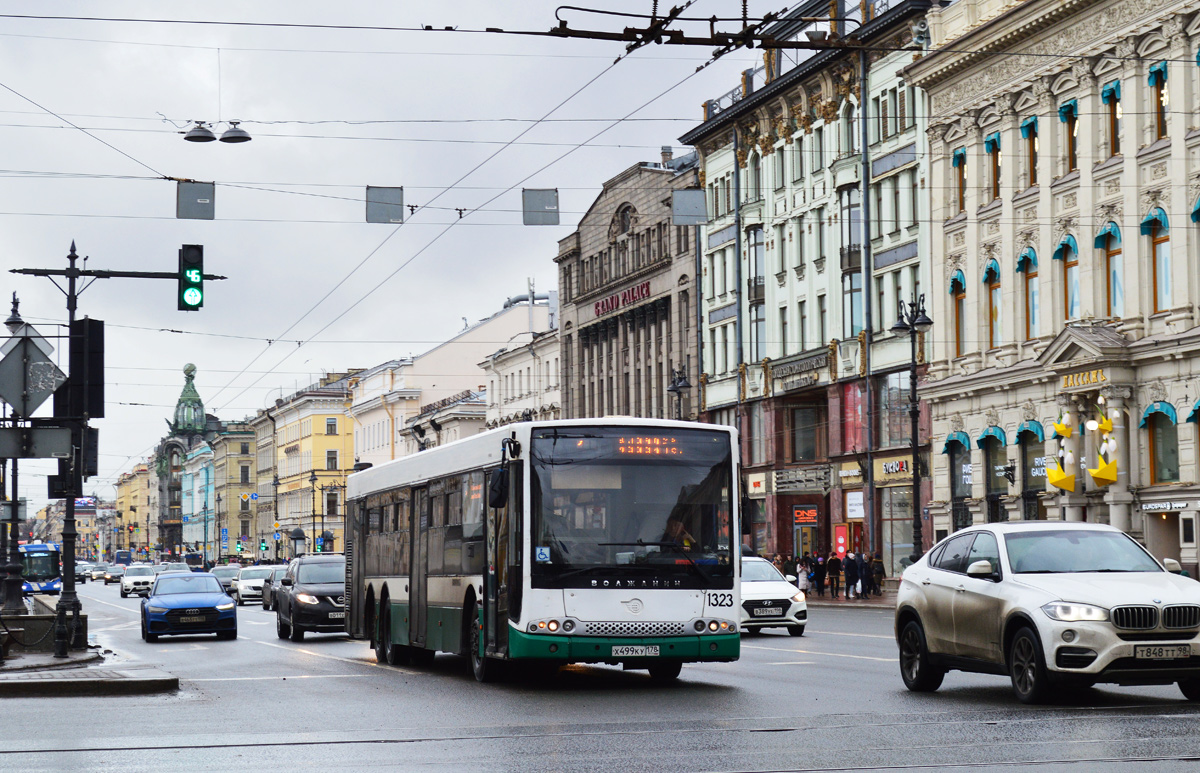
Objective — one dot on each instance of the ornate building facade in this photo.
(784, 291)
(626, 288)
(1065, 189)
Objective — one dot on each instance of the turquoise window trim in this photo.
(1031, 426)
(1109, 229)
(1029, 125)
(1163, 407)
(1156, 215)
(956, 437)
(992, 431)
(1068, 243)
(1068, 109)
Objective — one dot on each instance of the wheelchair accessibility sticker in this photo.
(542, 555)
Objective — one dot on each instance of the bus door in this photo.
(418, 596)
(355, 518)
(495, 605)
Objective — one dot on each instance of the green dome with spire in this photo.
(189, 410)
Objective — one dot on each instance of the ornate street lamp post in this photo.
(679, 383)
(914, 322)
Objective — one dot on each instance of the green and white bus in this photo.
(578, 541)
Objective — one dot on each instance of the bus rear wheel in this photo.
(485, 669)
(666, 671)
(387, 651)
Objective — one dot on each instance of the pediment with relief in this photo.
(1080, 345)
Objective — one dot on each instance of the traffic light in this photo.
(239, 546)
(191, 277)
(263, 546)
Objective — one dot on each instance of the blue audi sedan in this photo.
(188, 602)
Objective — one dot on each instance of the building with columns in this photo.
(1064, 204)
(626, 286)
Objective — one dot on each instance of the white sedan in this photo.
(137, 580)
(769, 600)
(249, 583)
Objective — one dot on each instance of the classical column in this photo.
(1118, 498)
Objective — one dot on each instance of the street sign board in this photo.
(245, 497)
(185, 519)
(224, 533)
(43, 443)
(254, 496)
(6, 508)
(277, 535)
(27, 375)
(276, 526)
(318, 540)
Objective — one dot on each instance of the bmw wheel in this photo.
(918, 673)
(1026, 666)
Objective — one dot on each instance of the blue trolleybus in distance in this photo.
(40, 568)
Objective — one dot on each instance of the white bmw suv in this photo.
(137, 579)
(1047, 603)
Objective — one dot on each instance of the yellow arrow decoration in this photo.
(1062, 430)
(1105, 474)
(1060, 479)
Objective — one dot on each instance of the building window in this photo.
(798, 234)
(1033, 475)
(991, 278)
(802, 308)
(961, 476)
(245, 474)
(757, 254)
(1029, 133)
(958, 292)
(1111, 96)
(1113, 276)
(331, 503)
(915, 199)
(818, 149)
(331, 460)
(822, 327)
(783, 331)
(331, 427)
(754, 179)
(758, 329)
(896, 203)
(798, 158)
(1160, 247)
(1164, 449)
(245, 449)
(1070, 260)
(244, 506)
(1068, 114)
(1161, 97)
(1027, 264)
(757, 439)
(895, 423)
(959, 163)
(778, 166)
(808, 432)
(853, 424)
(852, 313)
(991, 146)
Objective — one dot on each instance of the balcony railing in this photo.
(755, 289)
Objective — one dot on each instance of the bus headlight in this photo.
(552, 626)
(712, 626)
(533, 627)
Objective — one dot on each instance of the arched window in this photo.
(958, 294)
(1164, 449)
(754, 191)
(1155, 226)
(991, 278)
(851, 129)
(1161, 97)
(1027, 264)
(1068, 252)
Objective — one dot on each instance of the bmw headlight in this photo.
(1069, 612)
(225, 607)
(798, 597)
(156, 610)
(306, 598)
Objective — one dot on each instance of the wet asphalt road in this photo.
(830, 700)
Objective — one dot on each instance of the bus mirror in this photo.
(498, 488)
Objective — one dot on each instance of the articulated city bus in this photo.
(40, 569)
(578, 541)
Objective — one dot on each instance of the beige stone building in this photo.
(1065, 179)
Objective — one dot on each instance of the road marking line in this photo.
(335, 657)
(811, 652)
(276, 678)
(792, 663)
(118, 606)
(860, 635)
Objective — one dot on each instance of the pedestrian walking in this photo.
(818, 573)
(866, 576)
(833, 567)
(850, 570)
(789, 567)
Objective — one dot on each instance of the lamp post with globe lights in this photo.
(913, 322)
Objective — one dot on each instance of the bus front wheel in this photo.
(666, 671)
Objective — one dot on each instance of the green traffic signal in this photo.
(191, 277)
(263, 546)
(239, 546)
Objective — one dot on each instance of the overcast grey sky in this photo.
(331, 111)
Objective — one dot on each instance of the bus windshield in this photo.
(39, 567)
(630, 502)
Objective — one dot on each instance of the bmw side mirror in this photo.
(982, 570)
(1172, 566)
(790, 578)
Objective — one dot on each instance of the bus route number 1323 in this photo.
(720, 599)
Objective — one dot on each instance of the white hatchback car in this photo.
(1047, 603)
(137, 580)
(769, 600)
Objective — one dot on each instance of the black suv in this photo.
(310, 597)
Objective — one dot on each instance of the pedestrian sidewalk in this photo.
(886, 601)
(38, 674)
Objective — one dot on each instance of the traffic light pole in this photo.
(72, 636)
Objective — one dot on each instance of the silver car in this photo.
(1047, 603)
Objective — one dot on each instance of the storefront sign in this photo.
(886, 471)
(799, 382)
(1086, 378)
(638, 292)
(804, 479)
(804, 515)
(1154, 507)
(815, 362)
(854, 506)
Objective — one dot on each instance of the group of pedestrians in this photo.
(858, 576)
